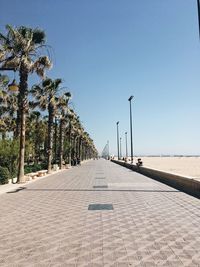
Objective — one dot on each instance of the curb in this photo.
(185, 184)
(10, 187)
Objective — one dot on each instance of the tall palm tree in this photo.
(79, 131)
(73, 134)
(46, 96)
(36, 132)
(19, 50)
(69, 133)
(64, 112)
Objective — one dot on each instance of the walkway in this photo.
(48, 223)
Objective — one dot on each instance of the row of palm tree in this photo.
(20, 51)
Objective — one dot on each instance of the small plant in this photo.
(9, 155)
(44, 166)
(34, 168)
(4, 175)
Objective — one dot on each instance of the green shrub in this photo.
(44, 166)
(36, 167)
(9, 150)
(4, 175)
(33, 168)
(27, 169)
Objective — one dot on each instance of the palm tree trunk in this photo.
(21, 178)
(3, 135)
(55, 141)
(75, 151)
(83, 151)
(61, 145)
(70, 146)
(80, 149)
(18, 120)
(50, 139)
(37, 142)
(23, 86)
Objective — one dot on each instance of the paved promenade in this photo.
(52, 222)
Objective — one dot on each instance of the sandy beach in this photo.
(186, 166)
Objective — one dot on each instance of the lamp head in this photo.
(13, 87)
(117, 122)
(130, 98)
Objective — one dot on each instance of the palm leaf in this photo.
(39, 36)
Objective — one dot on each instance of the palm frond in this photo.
(47, 82)
(68, 94)
(39, 36)
(57, 82)
(33, 104)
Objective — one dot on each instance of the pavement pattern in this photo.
(48, 222)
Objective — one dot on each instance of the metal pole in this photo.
(118, 139)
(198, 8)
(120, 147)
(130, 98)
(126, 145)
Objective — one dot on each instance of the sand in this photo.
(185, 166)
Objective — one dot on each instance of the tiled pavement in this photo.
(49, 224)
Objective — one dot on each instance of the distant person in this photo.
(75, 161)
(139, 163)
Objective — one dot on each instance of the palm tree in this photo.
(46, 96)
(79, 131)
(73, 134)
(89, 149)
(19, 50)
(64, 112)
(36, 132)
(71, 117)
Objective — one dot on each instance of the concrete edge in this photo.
(14, 186)
(11, 187)
(185, 184)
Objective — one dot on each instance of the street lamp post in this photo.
(118, 139)
(131, 131)
(120, 148)
(126, 145)
(198, 7)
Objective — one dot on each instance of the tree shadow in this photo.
(16, 190)
(108, 190)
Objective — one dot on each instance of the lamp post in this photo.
(131, 131)
(198, 8)
(126, 145)
(57, 120)
(118, 139)
(120, 148)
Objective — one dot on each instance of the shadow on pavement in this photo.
(16, 190)
(108, 190)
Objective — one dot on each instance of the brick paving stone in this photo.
(48, 222)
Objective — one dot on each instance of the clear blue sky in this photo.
(107, 50)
